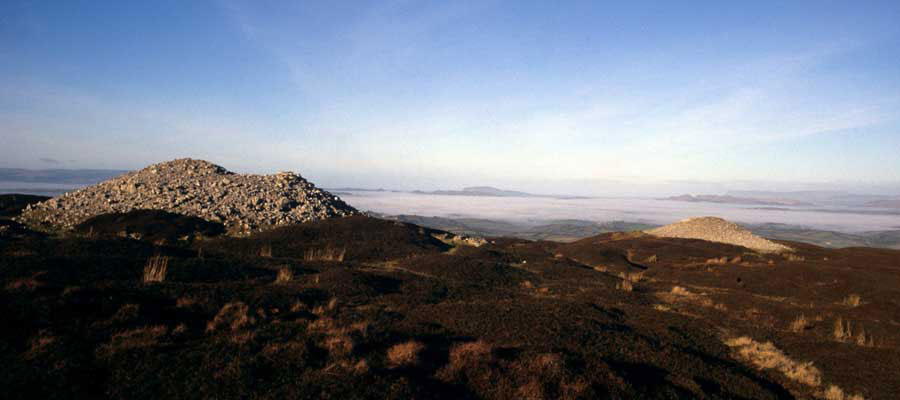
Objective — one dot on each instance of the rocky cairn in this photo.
(243, 203)
(716, 229)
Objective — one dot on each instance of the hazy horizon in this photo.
(53, 178)
(545, 98)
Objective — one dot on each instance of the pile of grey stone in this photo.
(244, 203)
(716, 229)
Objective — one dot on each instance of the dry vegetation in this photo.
(800, 324)
(835, 393)
(285, 275)
(156, 268)
(325, 254)
(466, 355)
(853, 300)
(400, 317)
(265, 251)
(233, 317)
(767, 356)
(405, 354)
(843, 332)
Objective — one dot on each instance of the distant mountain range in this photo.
(58, 176)
(479, 191)
(489, 191)
(824, 197)
(887, 203)
(738, 200)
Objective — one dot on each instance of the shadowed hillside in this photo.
(364, 308)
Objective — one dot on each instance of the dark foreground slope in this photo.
(364, 308)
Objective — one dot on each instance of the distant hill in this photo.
(58, 176)
(887, 203)
(738, 200)
(823, 197)
(478, 191)
(489, 191)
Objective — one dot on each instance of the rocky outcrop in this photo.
(243, 203)
(715, 229)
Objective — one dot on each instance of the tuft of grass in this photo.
(853, 300)
(232, 316)
(156, 268)
(405, 354)
(680, 291)
(767, 356)
(265, 251)
(324, 254)
(339, 346)
(633, 277)
(717, 261)
(652, 259)
(842, 331)
(835, 393)
(285, 275)
(626, 286)
(800, 324)
(331, 307)
(465, 355)
(793, 257)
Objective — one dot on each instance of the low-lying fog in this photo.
(533, 209)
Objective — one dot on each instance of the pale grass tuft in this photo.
(853, 300)
(266, 251)
(285, 275)
(331, 307)
(717, 261)
(156, 268)
(767, 356)
(405, 354)
(298, 306)
(626, 286)
(652, 259)
(800, 324)
(633, 277)
(232, 316)
(842, 331)
(324, 254)
(680, 291)
(792, 257)
(835, 393)
(464, 356)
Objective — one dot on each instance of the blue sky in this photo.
(406, 94)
